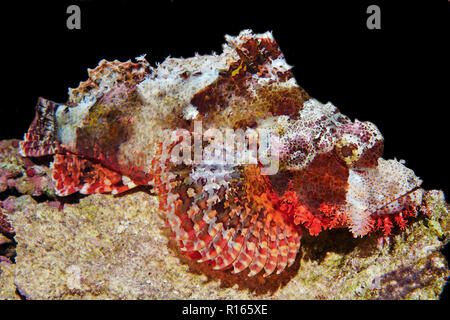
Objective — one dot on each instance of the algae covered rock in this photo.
(7, 287)
(23, 175)
(118, 247)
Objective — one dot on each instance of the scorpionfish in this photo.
(296, 165)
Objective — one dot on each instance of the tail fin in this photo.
(41, 138)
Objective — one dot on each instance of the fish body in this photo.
(241, 157)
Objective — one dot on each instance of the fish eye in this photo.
(360, 145)
(349, 149)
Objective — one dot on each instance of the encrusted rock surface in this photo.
(22, 175)
(118, 247)
(7, 287)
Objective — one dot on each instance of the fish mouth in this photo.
(384, 191)
(379, 211)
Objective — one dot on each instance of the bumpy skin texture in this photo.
(112, 136)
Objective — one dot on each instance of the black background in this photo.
(396, 77)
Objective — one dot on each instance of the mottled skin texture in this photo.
(112, 136)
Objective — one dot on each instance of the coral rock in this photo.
(7, 287)
(23, 175)
(110, 247)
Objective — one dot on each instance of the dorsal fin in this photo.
(41, 138)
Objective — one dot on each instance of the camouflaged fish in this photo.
(111, 136)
